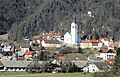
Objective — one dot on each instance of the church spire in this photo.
(75, 20)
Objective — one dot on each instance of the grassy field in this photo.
(4, 37)
(24, 74)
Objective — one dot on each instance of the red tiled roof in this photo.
(94, 41)
(61, 58)
(41, 39)
(107, 62)
(28, 53)
(52, 35)
(106, 39)
(113, 45)
(114, 50)
(85, 41)
(105, 50)
(89, 41)
(97, 55)
(36, 37)
(51, 41)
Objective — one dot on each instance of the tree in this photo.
(116, 66)
(80, 50)
(67, 66)
(42, 55)
(36, 67)
(118, 52)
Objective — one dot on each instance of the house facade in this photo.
(106, 54)
(25, 48)
(91, 44)
(50, 43)
(95, 67)
(14, 65)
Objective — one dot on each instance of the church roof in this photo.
(67, 33)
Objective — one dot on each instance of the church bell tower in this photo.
(74, 32)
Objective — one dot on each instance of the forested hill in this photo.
(12, 11)
(30, 17)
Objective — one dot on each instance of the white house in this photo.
(91, 44)
(95, 67)
(14, 65)
(105, 41)
(72, 38)
(8, 48)
(50, 43)
(29, 55)
(26, 48)
(106, 54)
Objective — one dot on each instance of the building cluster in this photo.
(13, 59)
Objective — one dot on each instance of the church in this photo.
(72, 38)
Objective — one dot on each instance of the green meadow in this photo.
(24, 74)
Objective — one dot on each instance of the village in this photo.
(58, 52)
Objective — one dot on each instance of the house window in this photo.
(72, 26)
(94, 44)
(93, 70)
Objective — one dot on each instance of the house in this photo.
(72, 56)
(86, 44)
(92, 58)
(28, 55)
(79, 64)
(21, 55)
(50, 36)
(50, 43)
(105, 41)
(8, 48)
(53, 36)
(90, 44)
(107, 54)
(9, 58)
(14, 65)
(72, 38)
(25, 48)
(95, 67)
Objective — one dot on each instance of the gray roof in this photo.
(101, 65)
(92, 57)
(15, 63)
(25, 46)
(79, 63)
(11, 63)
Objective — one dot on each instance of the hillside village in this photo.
(58, 52)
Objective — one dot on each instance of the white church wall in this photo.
(72, 38)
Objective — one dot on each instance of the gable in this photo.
(67, 34)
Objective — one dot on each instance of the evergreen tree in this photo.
(80, 50)
(116, 66)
